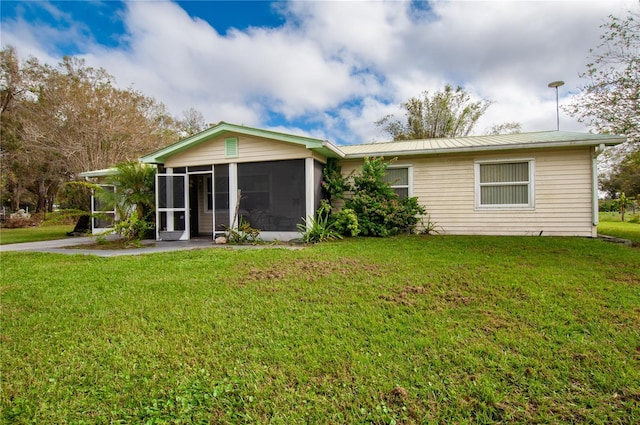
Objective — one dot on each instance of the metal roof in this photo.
(542, 139)
(99, 173)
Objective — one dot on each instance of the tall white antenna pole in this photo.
(556, 84)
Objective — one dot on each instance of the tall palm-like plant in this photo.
(133, 198)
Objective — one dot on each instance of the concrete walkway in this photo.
(64, 246)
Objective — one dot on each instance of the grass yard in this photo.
(611, 225)
(32, 234)
(401, 330)
(618, 229)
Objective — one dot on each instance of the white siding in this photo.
(445, 185)
(250, 149)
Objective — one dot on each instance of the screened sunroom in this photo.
(270, 196)
(232, 174)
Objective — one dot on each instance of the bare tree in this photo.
(193, 122)
(71, 118)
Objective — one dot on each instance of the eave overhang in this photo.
(322, 147)
(99, 173)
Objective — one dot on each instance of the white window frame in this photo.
(94, 213)
(531, 185)
(409, 184)
(185, 236)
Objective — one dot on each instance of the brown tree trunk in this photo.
(51, 196)
(15, 197)
(42, 196)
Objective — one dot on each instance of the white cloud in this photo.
(503, 51)
(334, 68)
(37, 39)
(185, 61)
(359, 32)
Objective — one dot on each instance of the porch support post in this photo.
(213, 199)
(157, 200)
(309, 185)
(233, 191)
(170, 194)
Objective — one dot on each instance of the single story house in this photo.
(542, 183)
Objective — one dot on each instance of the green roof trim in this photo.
(322, 147)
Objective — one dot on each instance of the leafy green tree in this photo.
(623, 204)
(446, 113)
(379, 210)
(333, 182)
(134, 189)
(345, 222)
(625, 177)
(610, 99)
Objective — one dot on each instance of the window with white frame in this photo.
(505, 184)
(399, 178)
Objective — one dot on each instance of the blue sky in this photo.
(103, 19)
(327, 69)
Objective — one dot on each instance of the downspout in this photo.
(594, 182)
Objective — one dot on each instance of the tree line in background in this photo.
(57, 121)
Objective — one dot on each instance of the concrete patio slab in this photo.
(73, 246)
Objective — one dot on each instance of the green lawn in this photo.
(618, 229)
(438, 329)
(32, 234)
(611, 225)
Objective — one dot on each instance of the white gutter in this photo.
(333, 148)
(594, 182)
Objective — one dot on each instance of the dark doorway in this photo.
(193, 206)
